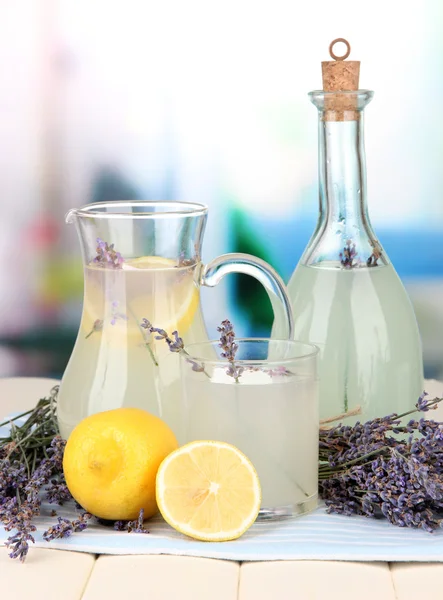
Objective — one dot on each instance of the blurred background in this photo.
(206, 101)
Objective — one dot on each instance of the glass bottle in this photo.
(347, 297)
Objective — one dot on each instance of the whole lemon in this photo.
(111, 461)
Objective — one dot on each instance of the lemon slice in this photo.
(150, 262)
(209, 491)
(148, 286)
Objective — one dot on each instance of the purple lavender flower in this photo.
(18, 517)
(376, 254)
(65, 528)
(229, 347)
(19, 543)
(97, 326)
(424, 405)
(56, 451)
(57, 492)
(279, 372)
(175, 345)
(196, 367)
(135, 526)
(13, 476)
(107, 256)
(348, 256)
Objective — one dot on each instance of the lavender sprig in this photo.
(423, 405)
(376, 254)
(107, 256)
(19, 542)
(229, 347)
(65, 528)
(116, 315)
(175, 344)
(136, 526)
(96, 326)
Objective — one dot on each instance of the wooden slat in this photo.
(413, 581)
(315, 580)
(162, 578)
(46, 575)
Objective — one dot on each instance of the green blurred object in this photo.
(249, 295)
(62, 280)
(41, 351)
(109, 185)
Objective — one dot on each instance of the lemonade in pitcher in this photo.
(119, 362)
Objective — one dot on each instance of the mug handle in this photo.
(214, 272)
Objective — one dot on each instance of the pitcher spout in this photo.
(70, 216)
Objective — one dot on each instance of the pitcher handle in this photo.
(214, 272)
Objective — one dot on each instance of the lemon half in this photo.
(209, 491)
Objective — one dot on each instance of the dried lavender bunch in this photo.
(135, 526)
(107, 256)
(21, 502)
(229, 347)
(65, 528)
(348, 256)
(366, 470)
(28, 443)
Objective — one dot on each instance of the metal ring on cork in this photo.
(345, 55)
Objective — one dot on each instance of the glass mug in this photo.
(142, 261)
(265, 404)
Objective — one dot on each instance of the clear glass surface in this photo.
(269, 411)
(346, 296)
(142, 261)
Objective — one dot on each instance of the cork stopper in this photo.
(340, 75)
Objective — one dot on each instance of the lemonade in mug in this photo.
(266, 404)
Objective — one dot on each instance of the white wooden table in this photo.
(62, 575)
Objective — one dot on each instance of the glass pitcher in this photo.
(142, 261)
